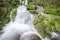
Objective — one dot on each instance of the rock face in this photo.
(56, 37)
(46, 38)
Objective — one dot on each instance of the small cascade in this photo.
(40, 9)
(23, 3)
(20, 1)
(26, 2)
(54, 35)
(11, 17)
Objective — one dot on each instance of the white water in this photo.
(54, 35)
(11, 16)
(46, 38)
(23, 16)
(20, 1)
(23, 2)
(22, 24)
(26, 2)
(40, 9)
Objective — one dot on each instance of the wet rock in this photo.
(46, 38)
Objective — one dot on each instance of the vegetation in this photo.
(50, 21)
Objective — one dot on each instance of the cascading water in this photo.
(22, 24)
(20, 1)
(26, 2)
(23, 16)
(11, 16)
(40, 9)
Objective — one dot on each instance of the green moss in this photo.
(51, 10)
(33, 11)
(31, 7)
(51, 22)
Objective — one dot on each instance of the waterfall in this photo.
(23, 16)
(22, 24)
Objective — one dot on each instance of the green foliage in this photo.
(44, 23)
(33, 11)
(51, 10)
(31, 7)
(5, 8)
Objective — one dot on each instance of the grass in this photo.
(51, 10)
(42, 22)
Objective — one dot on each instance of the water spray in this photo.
(11, 16)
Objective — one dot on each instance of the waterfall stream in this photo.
(23, 23)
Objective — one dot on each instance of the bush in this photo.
(51, 10)
(34, 11)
